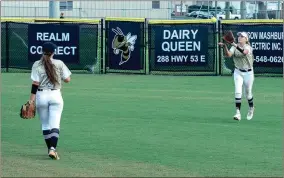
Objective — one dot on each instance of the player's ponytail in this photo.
(247, 42)
(48, 49)
(49, 68)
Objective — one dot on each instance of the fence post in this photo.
(105, 50)
(7, 47)
(218, 47)
(148, 49)
(102, 46)
(145, 44)
(216, 31)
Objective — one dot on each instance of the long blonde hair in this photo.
(247, 42)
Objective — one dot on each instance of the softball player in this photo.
(243, 74)
(47, 75)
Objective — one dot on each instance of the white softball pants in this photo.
(243, 80)
(49, 104)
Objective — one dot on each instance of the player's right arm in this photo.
(66, 74)
(67, 80)
(227, 52)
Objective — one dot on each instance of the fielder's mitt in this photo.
(229, 37)
(28, 110)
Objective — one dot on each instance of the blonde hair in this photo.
(247, 41)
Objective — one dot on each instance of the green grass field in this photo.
(143, 125)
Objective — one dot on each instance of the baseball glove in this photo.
(229, 37)
(28, 110)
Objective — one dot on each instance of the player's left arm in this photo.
(245, 50)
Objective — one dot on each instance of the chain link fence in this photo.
(148, 9)
(266, 39)
(138, 45)
(15, 46)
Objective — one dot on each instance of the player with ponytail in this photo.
(47, 76)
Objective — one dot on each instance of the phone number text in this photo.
(271, 59)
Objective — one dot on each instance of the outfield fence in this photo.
(266, 39)
(182, 47)
(138, 45)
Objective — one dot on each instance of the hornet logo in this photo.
(123, 44)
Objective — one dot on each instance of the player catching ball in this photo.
(243, 58)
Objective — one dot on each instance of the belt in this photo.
(242, 70)
(45, 89)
